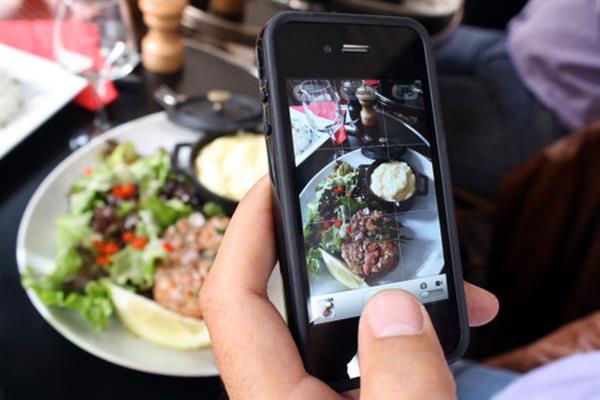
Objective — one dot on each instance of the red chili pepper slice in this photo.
(337, 223)
(338, 189)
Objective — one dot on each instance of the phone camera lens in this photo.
(327, 48)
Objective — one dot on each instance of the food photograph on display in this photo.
(366, 192)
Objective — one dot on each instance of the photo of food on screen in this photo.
(366, 190)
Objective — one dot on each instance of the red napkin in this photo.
(341, 135)
(35, 37)
(323, 109)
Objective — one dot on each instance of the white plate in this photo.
(46, 88)
(315, 141)
(36, 248)
(420, 256)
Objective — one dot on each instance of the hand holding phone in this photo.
(361, 189)
(256, 354)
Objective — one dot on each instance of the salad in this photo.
(337, 199)
(123, 232)
(348, 232)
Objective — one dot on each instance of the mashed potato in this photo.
(231, 165)
(393, 181)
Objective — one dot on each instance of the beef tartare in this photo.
(372, 247)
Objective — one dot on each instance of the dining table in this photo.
(36, 362)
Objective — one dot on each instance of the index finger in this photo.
(247, 253)
(256, 354)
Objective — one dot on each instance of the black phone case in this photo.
(281, 173)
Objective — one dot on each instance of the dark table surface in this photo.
(36, 362)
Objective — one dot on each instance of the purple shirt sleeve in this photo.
(555, 46)
(575, 377)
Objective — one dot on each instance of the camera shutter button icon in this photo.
(423, 285)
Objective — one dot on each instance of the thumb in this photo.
(400, 356)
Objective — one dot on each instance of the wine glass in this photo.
(95, 39)
(321, 106)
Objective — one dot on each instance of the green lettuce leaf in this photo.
(166, 212)
(212, 209)
(136, 267)
(331, 240)
(68, 264)
(313, 260)
(125, 207)
(146, 225)
(151, 172)
(93, 304)
(124, 153)
(88, 189)
(72, 229)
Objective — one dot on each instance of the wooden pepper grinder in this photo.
(162, 47)
(366, 97)
(230, 9)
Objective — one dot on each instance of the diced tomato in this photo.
(124, 191)
(117, 192)
(111, 248)
(139, 242)
(103, 260)
(98, 245)
(88, 171)
(338, 189)
(348, 229)
(127, 236)
(326, 225)
(337, 223)
(168, 247)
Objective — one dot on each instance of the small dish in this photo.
(365, 172)
(185, 164)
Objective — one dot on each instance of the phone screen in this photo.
(366, 188)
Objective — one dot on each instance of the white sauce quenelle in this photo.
(231, 165)
(393, 181)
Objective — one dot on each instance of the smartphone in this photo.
(361, 191)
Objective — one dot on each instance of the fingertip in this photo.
(482, 305)
(394, 313)
(260, 189)
(400, 355)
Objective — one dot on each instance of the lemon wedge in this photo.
(149, 320)
(338, 269)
